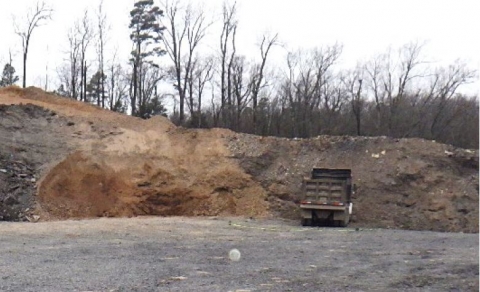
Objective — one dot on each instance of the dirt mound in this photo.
(85, 185)
(94, 162)
(401, 183)
(80, 111)
(100, 163)
(116, 165)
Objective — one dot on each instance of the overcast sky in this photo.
(365, 28)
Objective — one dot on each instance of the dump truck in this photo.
(327, 197)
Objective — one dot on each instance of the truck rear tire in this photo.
(306, 222)
(344, 222)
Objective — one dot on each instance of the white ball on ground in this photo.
(234, 255)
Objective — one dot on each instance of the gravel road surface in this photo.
(191, 254)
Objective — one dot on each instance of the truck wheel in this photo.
(306, 222)
(344, 222)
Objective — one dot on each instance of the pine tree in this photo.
(154, 107)
(8, 76)
(61, 91)
(94, 88)
(146, 33)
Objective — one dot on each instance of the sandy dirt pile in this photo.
(115, 165)
(151, 173)
(89, 162)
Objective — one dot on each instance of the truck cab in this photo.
(327, 197)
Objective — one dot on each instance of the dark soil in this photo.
(401, 183)
(30, 140)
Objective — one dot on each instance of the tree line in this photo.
(396, 93)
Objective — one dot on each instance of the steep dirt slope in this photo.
(151, 173)
(31, 139)
(89, 162)
(116, 165)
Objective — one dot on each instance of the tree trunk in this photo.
(99, 95)
(134, 98)
(102, 85)
(25, 69)
(182, 107)
(73, 81)
(81, 79)
(359, 133)
(85, 81)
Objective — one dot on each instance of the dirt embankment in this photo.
(401, 183)
(31, 139)
(161, 179)
(116, 165)
(92, 162)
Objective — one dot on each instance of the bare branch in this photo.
(35, 18)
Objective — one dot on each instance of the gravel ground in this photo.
(191, 254)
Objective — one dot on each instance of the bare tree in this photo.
(353, 83)
(445, 84)
(258, 74)
(102, 29)
(185, 27)
(203, 76)
(72, 75)
(119, 90)
(152, 75)
(79, 37)
(117, 87)
(304, 87)
(85, 35)
(373, 71)
(202, 73)
(227, 55)
(390, 78)
(398, 74)
(240, 90)
(35, 18)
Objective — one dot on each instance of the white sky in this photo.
(365, 28)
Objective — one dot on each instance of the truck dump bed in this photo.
(328, 186)
(327, 196)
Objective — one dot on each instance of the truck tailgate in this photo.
(325, 191)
